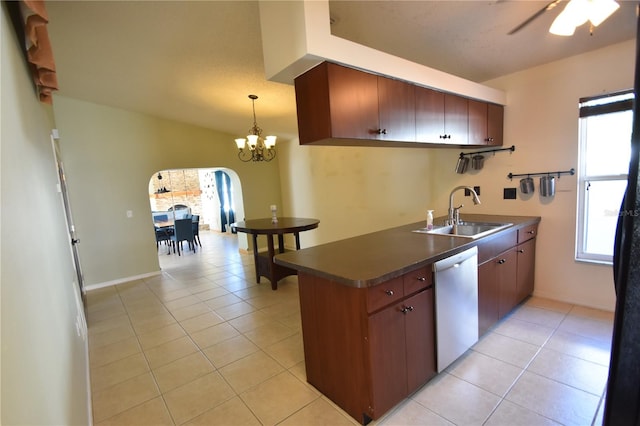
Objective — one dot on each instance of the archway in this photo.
(197, 190)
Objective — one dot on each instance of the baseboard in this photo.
(120, 281)
(572, 302)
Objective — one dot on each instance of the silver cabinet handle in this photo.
(389, 292)
(406, 309)
(423, 279)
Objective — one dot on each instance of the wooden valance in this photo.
(30, 19)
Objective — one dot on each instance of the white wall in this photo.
(44, 377)
(355, 190)
(109, 156)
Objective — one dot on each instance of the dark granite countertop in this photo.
(370, 259)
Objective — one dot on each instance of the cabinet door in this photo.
(495, 124)
(485, 123)
(456, 119)
(420, 333)
(488, 296)
(353, 103)
(429, 115)
(388, 359)
(506, 276)
(526, 254)
(396, 105)
(478, 122)
(312, 104)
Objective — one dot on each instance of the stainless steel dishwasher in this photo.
(456, 305)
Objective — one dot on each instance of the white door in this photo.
(73, 239)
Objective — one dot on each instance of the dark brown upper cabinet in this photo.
(336, 102)
(396, 110)
(338, 105)
(485, 123)
(441, 118)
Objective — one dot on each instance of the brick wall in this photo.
(184, 187)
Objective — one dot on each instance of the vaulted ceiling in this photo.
(196, 61)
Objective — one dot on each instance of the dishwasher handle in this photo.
(456, 260)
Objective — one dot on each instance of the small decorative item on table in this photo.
(274, 213)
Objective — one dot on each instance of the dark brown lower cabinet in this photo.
(402, 349)
(367, 357)
(526, 268)
(505, 280)
(506, 272)
(488, 294)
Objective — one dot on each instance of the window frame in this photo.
(584, 180)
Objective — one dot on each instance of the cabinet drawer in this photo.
(417, 280)
(527, 233)
(383, 294)
(495, 246)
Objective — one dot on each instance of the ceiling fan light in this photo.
(578, 11)
(599, 10)
(563, 25)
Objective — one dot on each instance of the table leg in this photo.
(272, 267)
(297, 235)
(281, 243)
(255, 256)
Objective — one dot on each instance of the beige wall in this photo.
(110, 154)
(44, 377)
(354, 190)
(542, 121)
(357, 190)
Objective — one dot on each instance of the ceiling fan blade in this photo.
(549, 6)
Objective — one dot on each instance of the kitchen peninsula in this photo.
(367, 305)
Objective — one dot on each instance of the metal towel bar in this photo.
(558, 173)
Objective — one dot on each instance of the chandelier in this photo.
(255, 147)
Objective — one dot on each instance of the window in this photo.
(605, 149)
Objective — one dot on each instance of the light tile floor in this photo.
(203, 344)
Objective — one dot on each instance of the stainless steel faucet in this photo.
(454, 212)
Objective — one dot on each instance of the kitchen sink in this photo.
(470, 230)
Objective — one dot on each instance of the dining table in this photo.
(264, 264)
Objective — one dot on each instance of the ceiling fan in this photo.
(575, 13)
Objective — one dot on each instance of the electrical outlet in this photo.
(510, 193)
(467, 193)
(129, 214)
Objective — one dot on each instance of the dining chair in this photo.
(163, 235)
(195, 225)
(183, 231)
